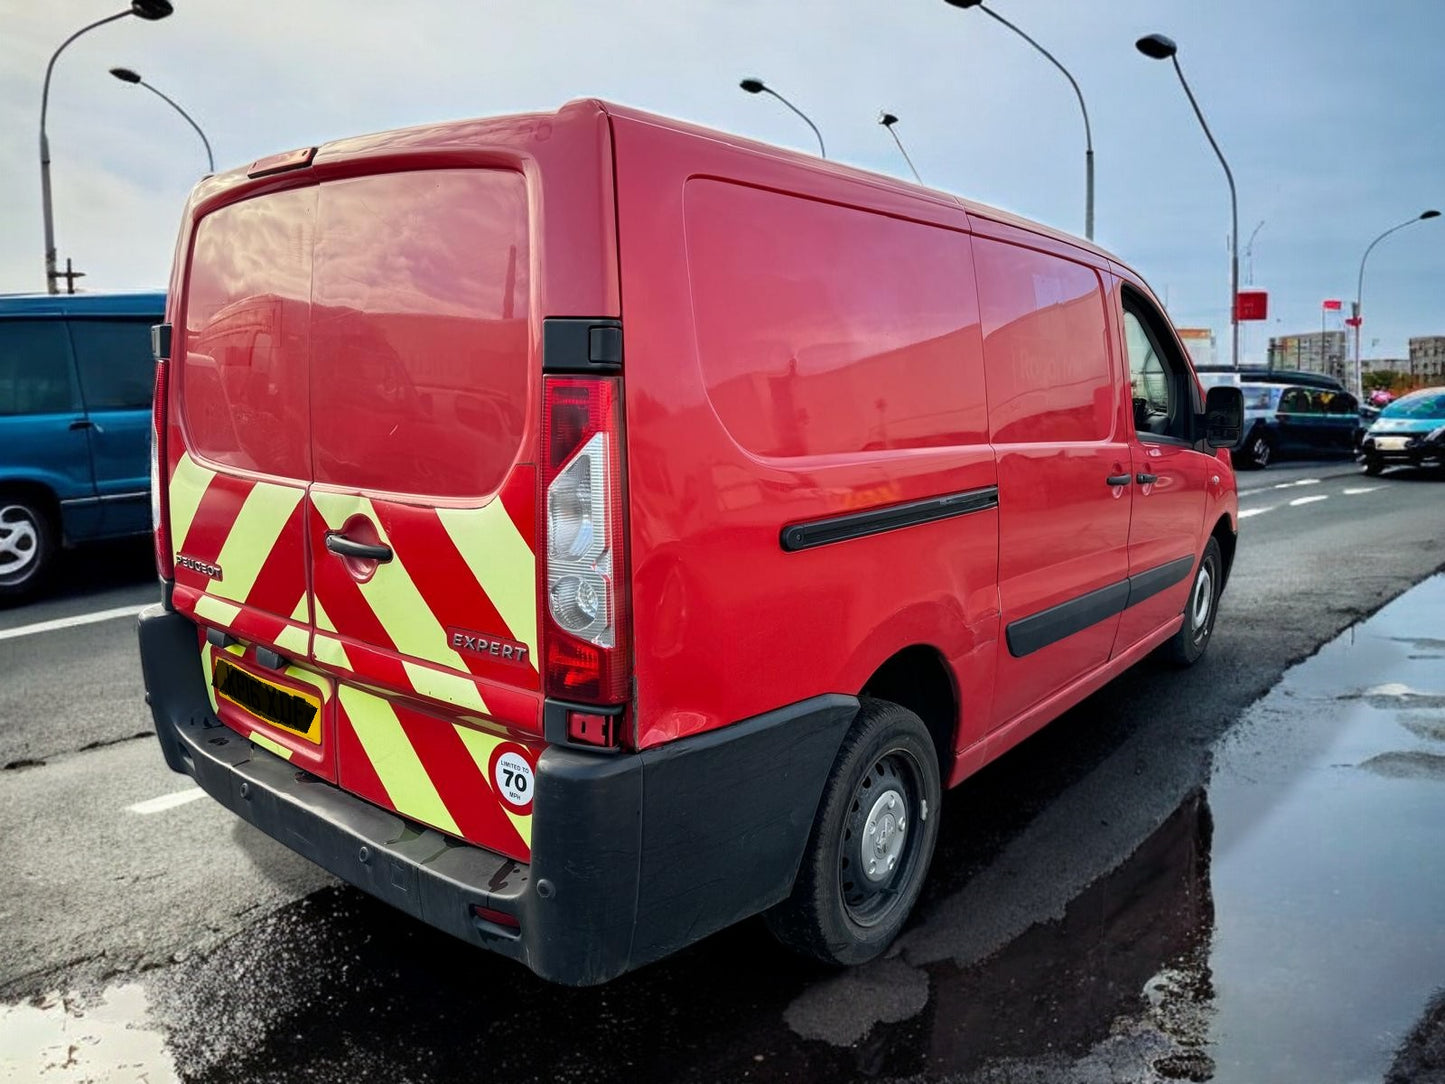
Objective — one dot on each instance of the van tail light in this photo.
(160, 505)
(587, 643)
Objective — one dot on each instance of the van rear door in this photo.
(240, 461)
(422, 522)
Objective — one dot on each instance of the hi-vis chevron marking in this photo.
(394, 760)
(403, 612)
(251, 538)
(188, 486)
(502, 562)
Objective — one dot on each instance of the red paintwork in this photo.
(802, 340)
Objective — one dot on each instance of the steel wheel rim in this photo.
(1261, 451)
(1202, 600)
(891, 847)
(19, 542)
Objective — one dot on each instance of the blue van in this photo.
(76, 378)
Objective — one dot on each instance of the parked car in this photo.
(650, 522)
(1303, 421)
(1409, 431)
(76, 376)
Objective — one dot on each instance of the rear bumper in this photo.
(633, 856)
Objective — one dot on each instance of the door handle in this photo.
(82, 423)
(1118, 480)
(1146, 479)
(342, 546)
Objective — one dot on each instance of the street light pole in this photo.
(888, 120)
(1088, 132)
(149, 10)
(1358, 312)
(125, 75)
(1158, 47)
(757, 86)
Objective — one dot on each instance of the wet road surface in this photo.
(1154, 888)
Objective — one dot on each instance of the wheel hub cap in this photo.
(884, 833)
(1203, 597)
(19, 540)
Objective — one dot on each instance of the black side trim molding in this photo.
(821, 532)
(1029, 634)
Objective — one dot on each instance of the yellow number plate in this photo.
(295, 712)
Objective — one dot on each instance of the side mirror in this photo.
(1224, 417)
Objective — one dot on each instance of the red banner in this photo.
(1332, 304)
(1352, 321)
(1251, 305)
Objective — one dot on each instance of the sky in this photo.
(1328, 111)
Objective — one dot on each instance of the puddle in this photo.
(71, 1039)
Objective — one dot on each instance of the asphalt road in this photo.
(256, 966)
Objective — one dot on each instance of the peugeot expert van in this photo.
(586, 530)
(76, 375)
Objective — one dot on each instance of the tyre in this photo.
(1200, 610)
(1373, 465)
(27, 546)
(1260, 449)
(871, 843)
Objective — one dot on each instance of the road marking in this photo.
(71, 622)
(1307, 500)
(1301, 482)
(167, 801)
(1247, 512)
(1362, 489)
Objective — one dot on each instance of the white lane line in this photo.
(166, 801)
(1301, 482)
(1307, 500)
(71, 622)
(1245, 513)
(1361, 489)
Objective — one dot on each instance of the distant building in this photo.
(1199, 341)
(1385, 365)
(1313, 352)
(1427, 359)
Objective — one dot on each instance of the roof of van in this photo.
(136, 303)
(829, 165)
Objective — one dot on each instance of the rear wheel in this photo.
(1373, 465)
(1200, 610)
(1260, 449)
(871, 843)
(27, 546)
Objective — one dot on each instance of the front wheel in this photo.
(871, 843)
(1373, 465)
(27, 546)
(1200, 609)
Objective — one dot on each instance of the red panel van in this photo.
(585, 530)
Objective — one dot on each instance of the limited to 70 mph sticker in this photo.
(512, 774)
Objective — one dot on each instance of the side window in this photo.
(1295, 401)
(35, 373)
(114, 359)
(1158, 375)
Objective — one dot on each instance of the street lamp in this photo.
(757, 86)
(888, 120)
(1088, 133)
(125, 75)
(1358, 312)
(150, 10)
(1158, 47)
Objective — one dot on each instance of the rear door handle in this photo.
(342, 546)
(1118, 479)
(1146, 479)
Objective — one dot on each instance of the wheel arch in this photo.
(919, 678)
(1228, 538)
(43, 495)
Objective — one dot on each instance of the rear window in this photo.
(1045, 346)
(35, 374)
(824, 329)
(420, 331)
(248, 314)
(117, 369)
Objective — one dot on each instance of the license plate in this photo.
(1391, 444)
(295, 712)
